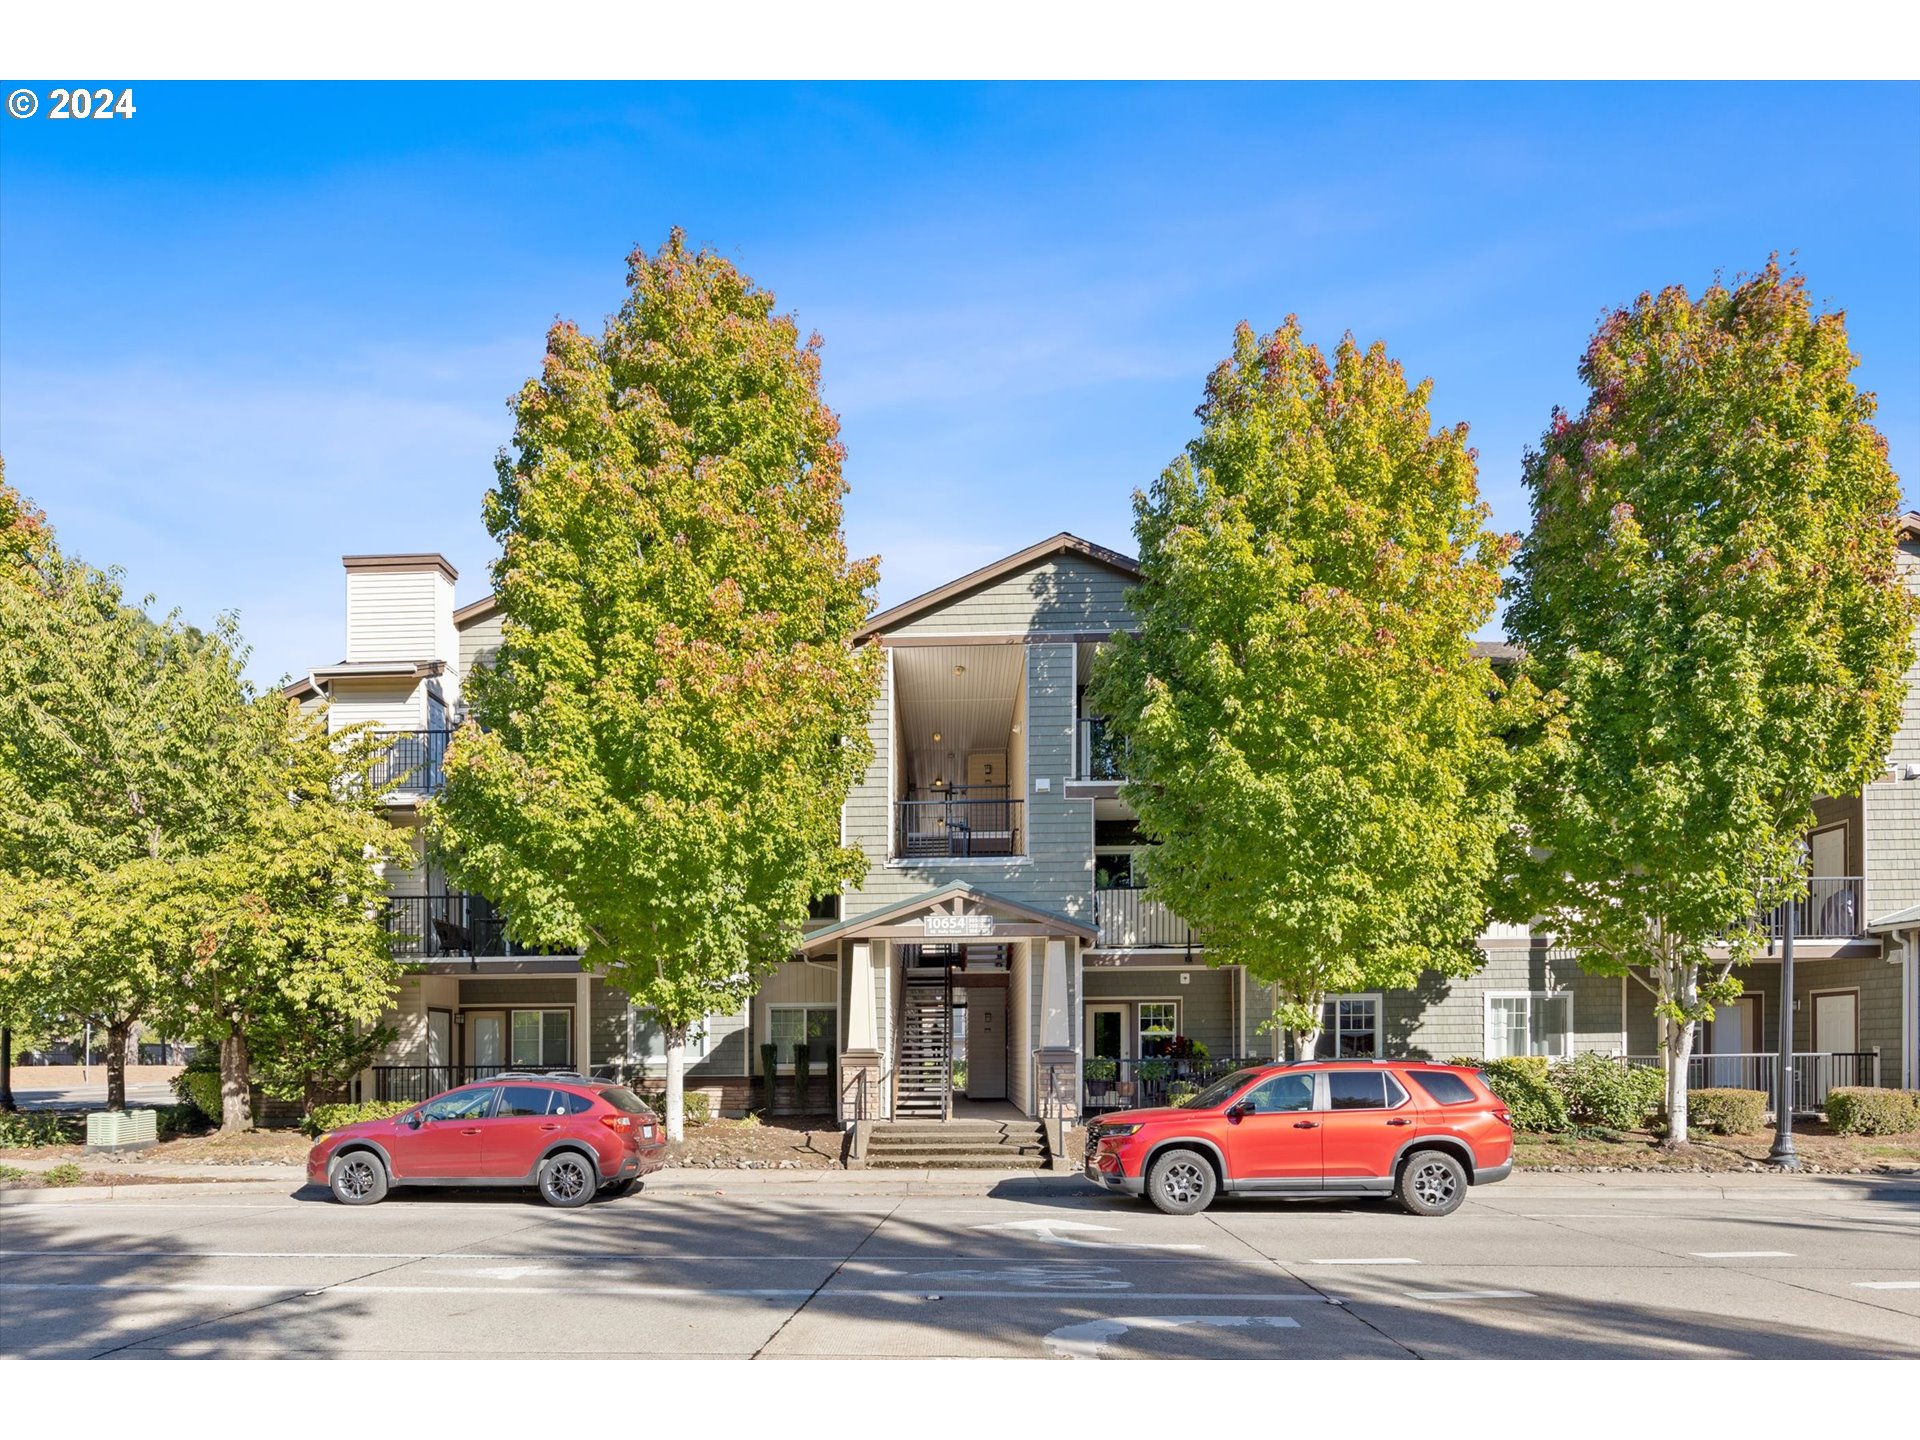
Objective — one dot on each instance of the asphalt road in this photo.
(1028, 1268)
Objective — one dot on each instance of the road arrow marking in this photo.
(1052, 1232)
(1089, 1339)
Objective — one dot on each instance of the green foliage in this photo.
(699, 1107)
(23, 532)
(1864, 1111)
(1728, 1112)
(60, 1176)
(1709, 597)
(1600, 1090)
(1181, 1091)
(1101, 1067)
(675, 713)
(31, 1129)
(323, 1118)
(801, 1058)
(303, 1051)
(12, 1172)
(199, 1086)
(1525, 1085)
(769, 1068)
(1152, 1070)
(173, 1121)
(1309, 736)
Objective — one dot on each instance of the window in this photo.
(824, 907)
(460, 1105)
(565, 1102)
(1113, 870)
(1363, 1090)
(525, 1100)
(1529, 1024)
(1159, 1023)
(650, 1041)
(1282, 1092)
(788, 1025)
(1349, 1028)
(542, 1037)
(1445, 1087)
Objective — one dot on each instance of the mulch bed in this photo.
(799, 1142)
(1821, 1152)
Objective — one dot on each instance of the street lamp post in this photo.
(1782, 1156)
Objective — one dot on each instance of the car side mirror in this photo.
(414, 1119)
(1239, 1109)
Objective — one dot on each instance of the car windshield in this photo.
(622, 1098)
(1219, 1092)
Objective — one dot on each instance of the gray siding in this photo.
(1207, 1001)
(478, 640)
(1062, 594)
(1877, 982)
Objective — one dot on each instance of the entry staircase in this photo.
(957, 1145)
(923, 1084)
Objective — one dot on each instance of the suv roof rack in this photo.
(533, 1075)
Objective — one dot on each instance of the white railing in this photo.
(1814, 1073)
(1128, 920)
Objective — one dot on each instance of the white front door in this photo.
(1735, 1031)
(1107, 1031)
(1836, 1023)
(486, 1038)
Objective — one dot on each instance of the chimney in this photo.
(400, 607)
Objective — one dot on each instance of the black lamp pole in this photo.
(1782, 1156)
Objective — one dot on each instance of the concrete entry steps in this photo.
(957, 1145)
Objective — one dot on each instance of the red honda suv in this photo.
(1420, 1132)
(567, 1136)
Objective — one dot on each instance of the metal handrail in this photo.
(426, 927)
(1833, 907)
(1130, 919)
(412, 761)
(1815, 1073)
(959, 827)
(1128, 1089)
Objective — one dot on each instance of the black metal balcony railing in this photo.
(961, 824)
(1815, 1072)
(426, 927)
(1108, 1084)
(1129, 920)
(411, 1084)
(414, 761)
(1098, 753)
(1833, 908)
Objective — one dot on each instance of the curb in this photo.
(102, 1194)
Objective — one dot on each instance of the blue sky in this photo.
(260, 326)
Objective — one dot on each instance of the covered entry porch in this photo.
(954, 1000)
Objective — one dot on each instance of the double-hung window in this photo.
(1529, 1023)
(542, 1037)
(1159, 1023)
(650, 1041)
(816, 1025)
(1349, 1028)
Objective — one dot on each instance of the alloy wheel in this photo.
(356, 1178)
(1183, 1183)
(1434, 1183)
(566, 1179)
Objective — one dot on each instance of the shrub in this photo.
(199, 1088)
(1522, 1082)
(31, 1129)
(1153, 1070)
(67, 1174)
(802, 1068)
(173, 1121)
(1102, 1067)
(1599, 1090)
(769, 1067)
(12, 1172)
(1727, 1112)
(323, 1118)
(694, 1104)
(1862, 1111)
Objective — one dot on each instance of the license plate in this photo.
(646, 1132)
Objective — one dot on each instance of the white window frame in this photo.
(1375, 998)
(1139, 1038)
(699, 1036)
(831, 1007)
(515, 1011)
(1533, 998)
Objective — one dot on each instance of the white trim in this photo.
(765, 1035)
(893, 793)
(1486, 1016)
(1813, 1016)
(1379, 1001)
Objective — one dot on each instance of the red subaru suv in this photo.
(1416, 1131)
(567, 1136)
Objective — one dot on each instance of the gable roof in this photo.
(959, 889)
(1061, 544)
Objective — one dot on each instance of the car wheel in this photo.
(622, 1187)
(568, 1179)
(358, 1178)
(1432, 1182)
(1181, 1182)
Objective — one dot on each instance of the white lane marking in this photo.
(1089, 1339)
(657, 1291)
(637, 1255)
(1742, 1254)
(1886, 1284)
(1379, 1260)
(1052, 1275)
(1051, 1231)
(1471, 1295)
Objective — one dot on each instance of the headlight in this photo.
(1106, 1131)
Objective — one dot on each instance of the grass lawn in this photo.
(1820, 1151)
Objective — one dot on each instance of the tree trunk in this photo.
(117, 1033)
(6, 1070)
(676, 1117)
(1679, 1047)
(236, 1105)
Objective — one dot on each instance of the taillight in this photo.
(1503, 1117)
(617, 1122)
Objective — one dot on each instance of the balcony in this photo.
(413, 762)
(1098, 752)
(1815, 1073)
(411, 1084)
(1128, 920)
(1136, 1084)
(433, 927)
(1833, 908)
(966, 822)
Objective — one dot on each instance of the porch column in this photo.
(583, 1023)
(1055, 1062)
(859, 1098)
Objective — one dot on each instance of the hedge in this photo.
(30, 1129)
(1727, 1112)
(1523, 1082)
(200, 1089)
(1852, 1111)
(331, 1117)
(1603, 1091)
